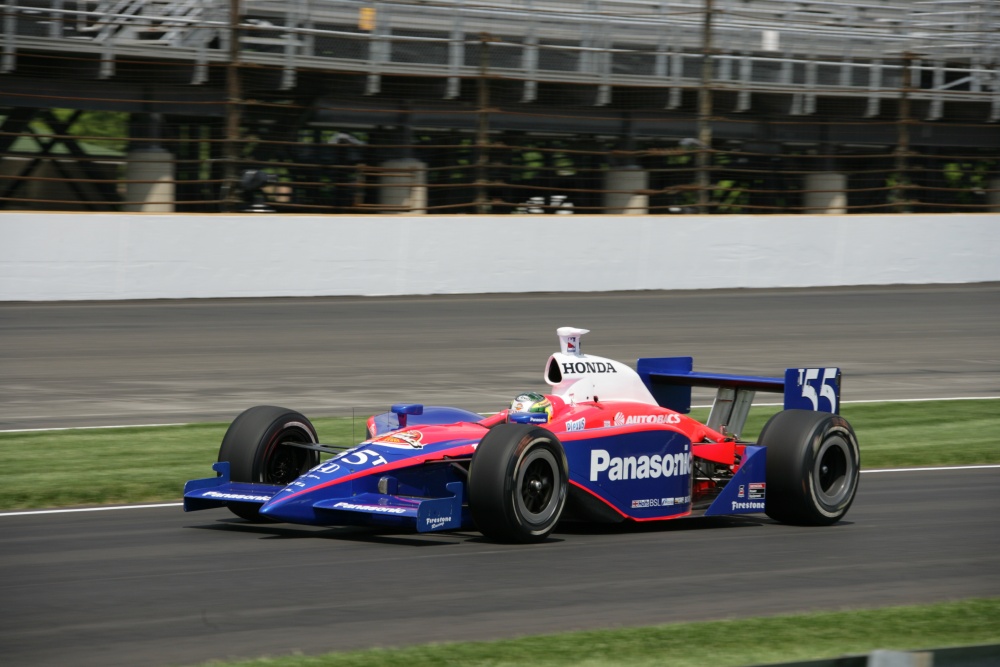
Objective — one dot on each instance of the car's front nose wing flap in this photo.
(423, 514)
(219, 491)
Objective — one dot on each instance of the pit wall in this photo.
(73, 256)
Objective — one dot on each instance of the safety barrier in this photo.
(49, 256)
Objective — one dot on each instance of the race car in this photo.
(606, 443)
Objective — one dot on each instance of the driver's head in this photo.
(530, 407)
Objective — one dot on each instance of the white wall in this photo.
(60, 256)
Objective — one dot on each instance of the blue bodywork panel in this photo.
(643, 474)
(423, 514)
(745, 492)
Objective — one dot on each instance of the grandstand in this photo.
(616, 106)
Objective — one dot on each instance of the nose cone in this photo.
(294, 503)
(290, 505)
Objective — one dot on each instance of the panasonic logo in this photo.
(638, 467)
(578, 367)
(236, 496)
(380, 509)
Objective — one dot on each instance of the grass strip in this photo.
(134, 465)
(733, 643)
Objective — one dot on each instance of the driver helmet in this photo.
(530, 407)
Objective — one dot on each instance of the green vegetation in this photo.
(93, 466)
(133, 465)
(924, 433)
(105, 132)
(721, 643)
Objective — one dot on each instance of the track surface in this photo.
(159, 587)
(156, 362)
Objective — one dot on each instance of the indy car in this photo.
(606, 443)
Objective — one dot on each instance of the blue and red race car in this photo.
(608, 443)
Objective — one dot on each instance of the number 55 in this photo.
(827, 388)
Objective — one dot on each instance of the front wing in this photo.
(376, 509)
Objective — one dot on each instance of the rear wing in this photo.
(670, 380)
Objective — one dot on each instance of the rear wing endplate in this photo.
(670, 380)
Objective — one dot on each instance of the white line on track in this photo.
(977, 467)
(84, 428)
(140, 507)
(90, 509)
(923, 400)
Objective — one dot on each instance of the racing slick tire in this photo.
(518, 481)
(813, 463)
(253, 447)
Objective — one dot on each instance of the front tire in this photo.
(813, 465)
(253, 447)
(518, 481)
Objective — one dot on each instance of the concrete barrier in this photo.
(71, 256)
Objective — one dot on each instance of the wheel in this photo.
(252, 445)
(518, 481)
(813, 462)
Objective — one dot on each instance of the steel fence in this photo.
(621, 106)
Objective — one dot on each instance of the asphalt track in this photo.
(180, 361)
(159, 587)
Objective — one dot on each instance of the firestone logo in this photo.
(438, 521)
(638, 467)
(747, 506)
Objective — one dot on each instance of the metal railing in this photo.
(852, 49)
(892, 66)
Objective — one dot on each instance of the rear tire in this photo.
(253, 447)
(813, 465)
(518, 480)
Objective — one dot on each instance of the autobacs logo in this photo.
(620, 468)
(622, 420)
